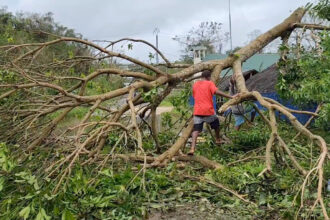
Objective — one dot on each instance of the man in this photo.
(239, 111)
(203, 92)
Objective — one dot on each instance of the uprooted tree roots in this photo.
(26, 120)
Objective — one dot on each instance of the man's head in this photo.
(206, 74)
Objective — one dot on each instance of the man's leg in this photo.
(217, 136)
(253, 115)
(215, 125)
(197, 129)
(193, 143)
(239, 120)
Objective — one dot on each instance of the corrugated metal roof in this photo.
(263, 82)
(215, 56)
(257, 62)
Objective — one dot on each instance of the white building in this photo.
(199, 54)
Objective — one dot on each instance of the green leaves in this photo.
(67, 215)
(27, 177)
(262, 199)
(25, 212)
(130, 46)
(150, 96)
(7, 76)
(10, 40)
(42, 215)
(151, 56)
(252, 138)
(180, 102)
(323, 121)
(70, 54)
(6, 164)
(306, 77)
(2, 181)
(322, 9)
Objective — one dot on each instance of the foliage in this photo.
(102, 85)
(62, 60)
(278, 192)
(36, 28)
(322, 9)
(151, 95)
(6, 163)
(115, 193)
(251, 138)
(181, 102)
(306, 79)
(119, 192)
(26, 26)
(323, 120)
(112, 195)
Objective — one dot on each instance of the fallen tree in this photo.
(27, 121)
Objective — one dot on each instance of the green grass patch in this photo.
(165, 103)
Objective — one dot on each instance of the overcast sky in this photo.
(115, 19)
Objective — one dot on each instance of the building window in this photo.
(196, 54)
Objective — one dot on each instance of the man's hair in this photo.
(206, 74)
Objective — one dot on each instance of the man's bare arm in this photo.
(218, 92)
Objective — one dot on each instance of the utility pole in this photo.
(231, 40)
(156, 31)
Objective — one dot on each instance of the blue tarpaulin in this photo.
(302, 118)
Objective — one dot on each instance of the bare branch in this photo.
(311, 26)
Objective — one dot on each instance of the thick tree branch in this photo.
(311, 26)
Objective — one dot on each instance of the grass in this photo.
(166, 103)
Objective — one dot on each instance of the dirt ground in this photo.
(202, 210)
(163, 109)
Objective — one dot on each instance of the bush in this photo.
(250, 139)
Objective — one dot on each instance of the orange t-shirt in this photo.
(202, 92)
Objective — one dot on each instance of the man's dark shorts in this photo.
(210, 119)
